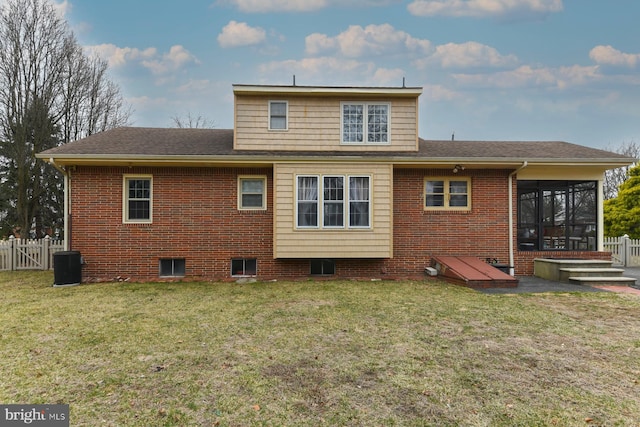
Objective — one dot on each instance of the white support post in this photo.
(625, 250)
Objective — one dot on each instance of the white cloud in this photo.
(236, 34)
(261, 6)
(316, 66)
(467, 55)
(357, 41)
(388, 77)
(332, 71)
(441, 93)
(484, 8)
(526, 76)
(322, 70)
(63, 8)
(176, 58)
(194, 86)
(607, 55)
(119, 56)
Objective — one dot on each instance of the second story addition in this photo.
(311, 118)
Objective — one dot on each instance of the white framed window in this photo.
(137, 199)
(365, 123)
(278, 115)
(327, 201)
(447, 194)
(244, 267)
(172, 267)
(359, 206)
(307, 201)
(252, 192)
(333, 201)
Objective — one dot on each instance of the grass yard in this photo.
(318, 353)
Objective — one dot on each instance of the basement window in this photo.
(243, 267)
(172, 267)
(323, 267)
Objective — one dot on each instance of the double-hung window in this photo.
(359, 201)
(252, 193)
(137, 199)
(307, 201)
(365, 123)
(278, 115)
(449, 194)
(333, 202)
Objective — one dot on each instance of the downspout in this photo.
(511, 249)
(67, 175)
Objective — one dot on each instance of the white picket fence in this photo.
(624, 250)
(28, 254)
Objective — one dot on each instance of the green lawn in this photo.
(318, 353)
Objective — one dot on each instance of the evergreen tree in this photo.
(622, 214)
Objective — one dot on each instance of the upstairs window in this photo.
(447, 194)
(252, 193)
(365, 123)
(137, 206)
(278, 115)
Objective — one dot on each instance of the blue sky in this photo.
(491, 69)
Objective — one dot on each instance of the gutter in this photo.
(67, 200)
(511, 248)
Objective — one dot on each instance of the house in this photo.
(323, 181)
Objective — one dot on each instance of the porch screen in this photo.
(557, 215)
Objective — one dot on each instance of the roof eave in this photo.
(195, 160)
(325, 90)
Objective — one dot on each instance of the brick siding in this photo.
(195, 217)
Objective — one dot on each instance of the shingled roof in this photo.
(141, 142)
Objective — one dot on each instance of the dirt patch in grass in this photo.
(318, 353)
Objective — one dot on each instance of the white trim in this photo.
(296, 201)
(262, 178)
(125, 199)
(286, 116)
(326, 90)
(369, 203)
(344, 201)
(365, 122)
